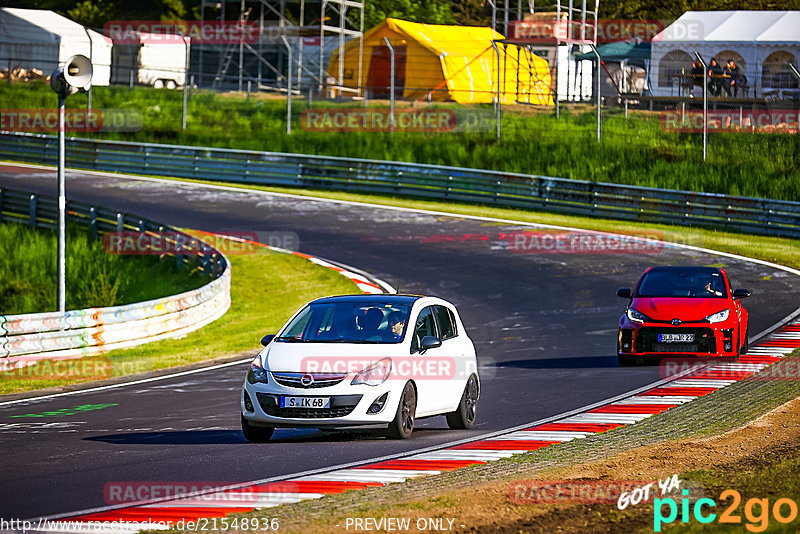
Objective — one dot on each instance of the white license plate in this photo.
(675, 338)
(305, 402)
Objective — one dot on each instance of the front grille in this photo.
(321, 380)
(647, 340)
(341, 405)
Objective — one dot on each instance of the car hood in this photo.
(683, 308)
(325, 357)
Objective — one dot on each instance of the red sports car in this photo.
(682, 311)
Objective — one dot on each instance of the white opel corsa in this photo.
(357, 360)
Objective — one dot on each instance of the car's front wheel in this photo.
(256, 434)
(464, 416)
(403, 423)
(746, 344)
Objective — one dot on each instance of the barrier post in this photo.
(32, 212)
(497, 103)
(705, 105)
(597, 90)
(93, 222)
(391, 84)
(289, 86)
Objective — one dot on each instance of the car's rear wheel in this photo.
(403, 423)
(626, 360)
(464, 416)
(256, 434)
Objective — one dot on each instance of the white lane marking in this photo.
(124, 384)
(484, 455)
(541, 435)
(369, 475)
(701, 383)
(647, 400)
(244, 500)
(625, 418)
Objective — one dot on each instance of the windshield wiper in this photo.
(291, 339)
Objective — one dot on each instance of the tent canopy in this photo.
(42, 39)
(733, 27)
(619, 51)
(454, 62)
(761, 43)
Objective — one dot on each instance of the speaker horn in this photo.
(76, 75)
(78, 72)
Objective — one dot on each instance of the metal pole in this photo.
(288, 86)
(62, 211)
(89, 102)
(705, 105)
(185, 85)
(505, 19)
(391, 83)
(499, 116)
(597, 90)
(241, 44)
(202, 50)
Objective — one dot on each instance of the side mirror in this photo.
(741, 293)
(430, 342)
(266, 339)
(624, 292)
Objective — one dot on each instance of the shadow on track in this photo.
(228, 437)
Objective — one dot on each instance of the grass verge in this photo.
(633, 151)
(94, 278)
(266, 288)
(690, 440)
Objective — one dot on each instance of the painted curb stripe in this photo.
(703, 381)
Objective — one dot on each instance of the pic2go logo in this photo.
(756, 511)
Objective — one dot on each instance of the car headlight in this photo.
(718, 317)
(256, 373)
(636, 316)
(375, 374)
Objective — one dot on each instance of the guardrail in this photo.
(744, 214)
(27, 338)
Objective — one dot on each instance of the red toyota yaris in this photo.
(682, 311)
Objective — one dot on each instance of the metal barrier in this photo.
(576, 197)
(27, 338)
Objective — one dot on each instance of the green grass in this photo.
(633, 151)
(94, 278)
(267, 287)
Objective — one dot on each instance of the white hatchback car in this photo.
(357, 360)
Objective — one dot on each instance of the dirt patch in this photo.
(490, 507)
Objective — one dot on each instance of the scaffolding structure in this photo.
(265, 62)
(556, 31)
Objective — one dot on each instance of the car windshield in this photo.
(682, 283)
(348, 322)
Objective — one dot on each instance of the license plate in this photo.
(305, 402)
(675, 338)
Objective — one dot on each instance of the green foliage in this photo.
(94, 278)
(425, 11)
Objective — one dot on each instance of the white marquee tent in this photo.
(37, 38)
(760, 42)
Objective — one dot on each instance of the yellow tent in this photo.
(449, 62)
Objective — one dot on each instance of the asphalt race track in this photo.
(544, 326)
